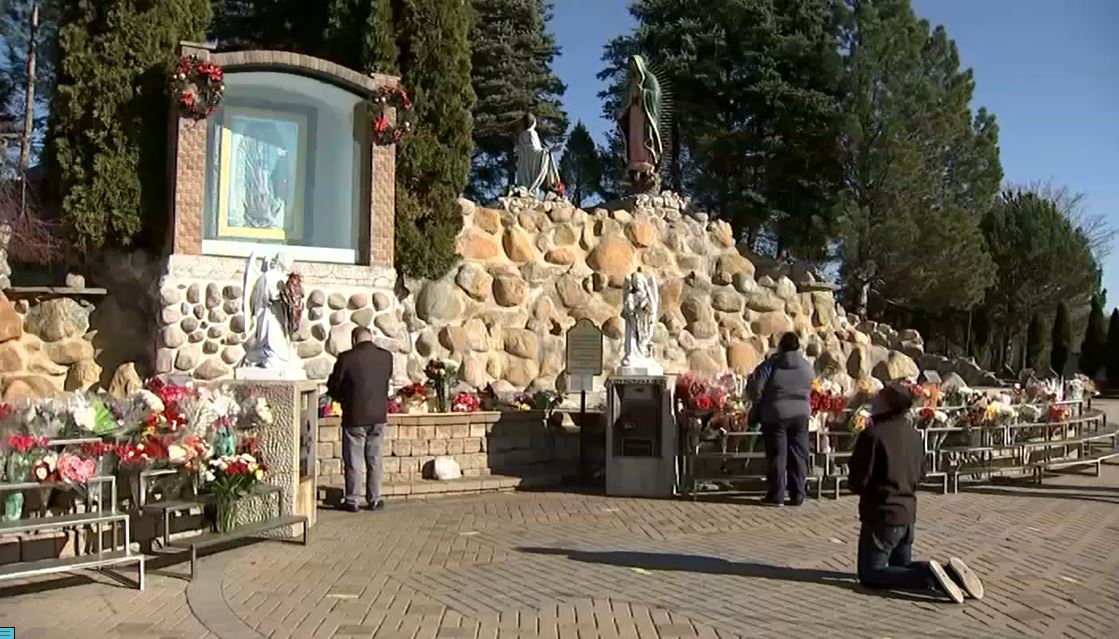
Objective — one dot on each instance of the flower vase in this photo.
(225, 444)
(226, 516)
(18, 470)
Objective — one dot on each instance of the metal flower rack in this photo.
(96, 511)
(173, 508)
(730, 454)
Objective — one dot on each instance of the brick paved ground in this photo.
(566, 565)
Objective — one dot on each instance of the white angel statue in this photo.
(640, 309)
(273, 307)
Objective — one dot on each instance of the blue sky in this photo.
(1049, 69)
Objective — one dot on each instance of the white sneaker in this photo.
(968, 579)
(946, 584)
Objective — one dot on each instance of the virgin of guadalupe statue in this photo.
(273, 308)
(536, 166)
(640, 125)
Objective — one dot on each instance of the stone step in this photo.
(535, 477)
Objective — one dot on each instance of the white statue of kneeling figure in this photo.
(641, 310)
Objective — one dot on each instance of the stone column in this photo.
(280, 445)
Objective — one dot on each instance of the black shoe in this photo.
(376, 506)
(350, 508)
(796, 501)
(773, 501)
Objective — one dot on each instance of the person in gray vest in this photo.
(781, 387)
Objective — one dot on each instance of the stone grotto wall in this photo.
(530, 269)
(201, 326)
(76, 338)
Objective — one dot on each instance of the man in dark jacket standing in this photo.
(781, 387)
(360, 382)
(886, 468)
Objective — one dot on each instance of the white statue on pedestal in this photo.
(272, 302)
(536, 166)
(640, 309)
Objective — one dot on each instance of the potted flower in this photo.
(20, 462)
(228, 479)
(413, 398)
(465, 403)
(440, 377)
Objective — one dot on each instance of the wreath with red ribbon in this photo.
(197, 87)
(396, 97)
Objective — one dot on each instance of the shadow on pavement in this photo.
(672, 562)
(1082, 493)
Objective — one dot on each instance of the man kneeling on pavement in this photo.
(886, 467)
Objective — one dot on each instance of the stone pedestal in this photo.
(293, 374)
(282, 445)
(641, 437)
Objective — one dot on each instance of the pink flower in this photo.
(76, 470)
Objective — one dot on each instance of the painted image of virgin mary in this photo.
(264, 175)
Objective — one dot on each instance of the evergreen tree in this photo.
(581, 166)
(1093, 351)
(512, 74)
(911, 228)
(1040, 257)
(1035, 345)
(432, 165)
(1061, 341)
(1113, 349)
(108, 129)
(283, 25)
(755, 127)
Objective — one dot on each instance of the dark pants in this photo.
(786, 457)
(886, 559)
(361, 445)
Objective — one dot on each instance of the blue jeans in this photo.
(886, 559)
(786, 457)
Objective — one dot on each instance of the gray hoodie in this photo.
(783, 382)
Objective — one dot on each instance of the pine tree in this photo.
(755, 129)
(1040, 257)
(1113, 349)
(432, 165)
(1062, 340)
(283, 25)
(108, 129)
(1035, 344)
(581, 166)
(512, 74)
(911, 228)
(1093, 351)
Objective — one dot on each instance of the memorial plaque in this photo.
(584, 349)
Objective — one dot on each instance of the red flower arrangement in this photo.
(395, 407)
(826, 402)
(96, 450)
(172, 417)
(465, 403)
(414, 390)
(696, 394)
(197, 87)
(1058, 413)
(24, 444)
(383, 131)
(131, 455)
